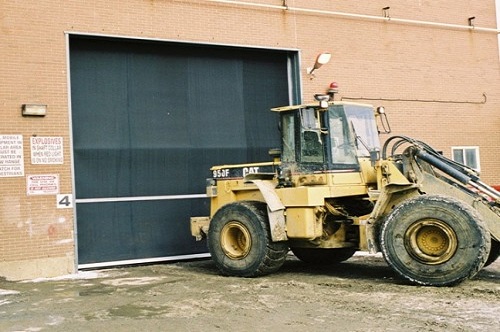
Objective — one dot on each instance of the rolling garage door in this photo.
(148, 120)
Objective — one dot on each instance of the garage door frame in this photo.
(294, 93)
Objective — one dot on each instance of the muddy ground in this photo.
(362, 294)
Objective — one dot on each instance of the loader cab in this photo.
(328, 138)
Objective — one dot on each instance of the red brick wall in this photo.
(404, 65)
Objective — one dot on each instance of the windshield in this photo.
(362, 122)
(341, 138)
(353, 133)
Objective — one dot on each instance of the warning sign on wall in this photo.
(42, 184)
(46, 150)
(11, 155)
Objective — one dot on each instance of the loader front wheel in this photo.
(435, 240)
(239, 241)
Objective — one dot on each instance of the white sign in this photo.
(47, 150)
(11, 156)
(43, 184)
(64, 201)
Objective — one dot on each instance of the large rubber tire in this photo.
(494, 252)
(240, 243)
(435, 240)
(320, 256)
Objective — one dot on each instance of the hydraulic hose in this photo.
(459, 172)
(441, 165)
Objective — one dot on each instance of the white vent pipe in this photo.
(358, 16)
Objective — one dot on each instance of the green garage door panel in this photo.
(150, 119)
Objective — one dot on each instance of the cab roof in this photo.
(316, 104)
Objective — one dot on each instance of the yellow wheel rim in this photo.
(235, 240)
(431, 241)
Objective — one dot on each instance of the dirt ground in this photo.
(361, 294)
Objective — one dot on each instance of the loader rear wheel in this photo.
(320, 256)
(494, 252)
(239, 241)
(435, 240)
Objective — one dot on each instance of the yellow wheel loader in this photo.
(332, 190)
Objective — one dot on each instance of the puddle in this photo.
(132, 281)
(98, 290)
(81, 275)
(136, 311)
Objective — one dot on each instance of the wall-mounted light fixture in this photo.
(321, 59)
(34, 110)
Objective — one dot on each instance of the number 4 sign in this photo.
(64, 201)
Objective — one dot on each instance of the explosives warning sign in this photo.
(11, 156)
(47, 150)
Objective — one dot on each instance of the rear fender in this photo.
(275, 209)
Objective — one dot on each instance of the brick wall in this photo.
(401, 66)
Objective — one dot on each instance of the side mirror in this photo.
(383, 120)
(374, 156)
